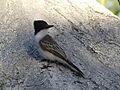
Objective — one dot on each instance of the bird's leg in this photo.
(48, 63)
(46, 60)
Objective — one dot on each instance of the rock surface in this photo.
(89, 34)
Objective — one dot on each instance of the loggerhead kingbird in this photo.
(49, 48)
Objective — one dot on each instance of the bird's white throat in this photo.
(41, 34)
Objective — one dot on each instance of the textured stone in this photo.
(89, 34)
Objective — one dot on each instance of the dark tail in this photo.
(74, 68)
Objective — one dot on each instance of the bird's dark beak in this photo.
(49, 26)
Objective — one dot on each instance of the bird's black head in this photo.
(41, 25)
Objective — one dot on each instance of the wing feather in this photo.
(48, 44)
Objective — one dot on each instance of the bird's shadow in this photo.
(32, 50)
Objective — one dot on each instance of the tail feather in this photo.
(74, 68)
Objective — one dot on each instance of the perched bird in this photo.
(49, 48)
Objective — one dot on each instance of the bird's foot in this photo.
(46, 66)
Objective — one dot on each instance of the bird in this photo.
(49, 48)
